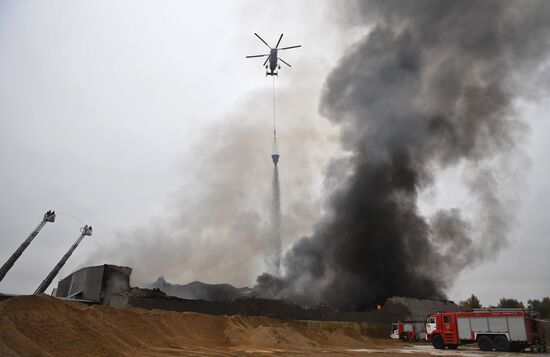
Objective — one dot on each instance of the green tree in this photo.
(542, 307)
(510, 303)
(472, 302)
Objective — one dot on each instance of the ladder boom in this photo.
(48, 217)
(85, 231)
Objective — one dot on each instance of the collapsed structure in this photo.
(103, 284)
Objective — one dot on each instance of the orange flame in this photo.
(378, 307)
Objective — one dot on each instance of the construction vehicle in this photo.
(408, 331)
(48, 217)
(499, 329)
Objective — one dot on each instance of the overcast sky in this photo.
(112, 114)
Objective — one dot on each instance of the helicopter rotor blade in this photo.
(257, 56)
(288, 48)
(282, 60)
(267, 59)
(261, 39)
(280, 38)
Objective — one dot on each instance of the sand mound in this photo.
(46, 326)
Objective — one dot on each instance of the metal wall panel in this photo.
(517, 328)
(464, 328)
(498, 324)
(479, 324)
(63, 287)
(94, 283)
(78, 281)
(86, 283)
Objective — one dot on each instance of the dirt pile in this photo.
(46, 326)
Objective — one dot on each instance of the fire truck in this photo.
(499, 329)
(408, 331)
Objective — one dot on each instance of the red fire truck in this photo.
(408, 331)
(499, 329)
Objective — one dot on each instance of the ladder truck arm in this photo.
(48, 217)
(85, 231)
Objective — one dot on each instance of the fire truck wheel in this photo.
(501, 344)
(437, 342)
(404, 337)
(485, 343)
(515, 347)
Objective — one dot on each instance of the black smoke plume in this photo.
(430, 87)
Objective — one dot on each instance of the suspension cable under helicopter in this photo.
(275, 146)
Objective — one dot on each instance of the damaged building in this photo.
(103, 284)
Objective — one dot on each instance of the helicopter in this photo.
(272, 57)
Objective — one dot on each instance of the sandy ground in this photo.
(45, 326)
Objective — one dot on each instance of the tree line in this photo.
(541, 306)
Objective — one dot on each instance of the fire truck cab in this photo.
(499, 329)
(408, 331)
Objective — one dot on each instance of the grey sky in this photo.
(110, 110)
